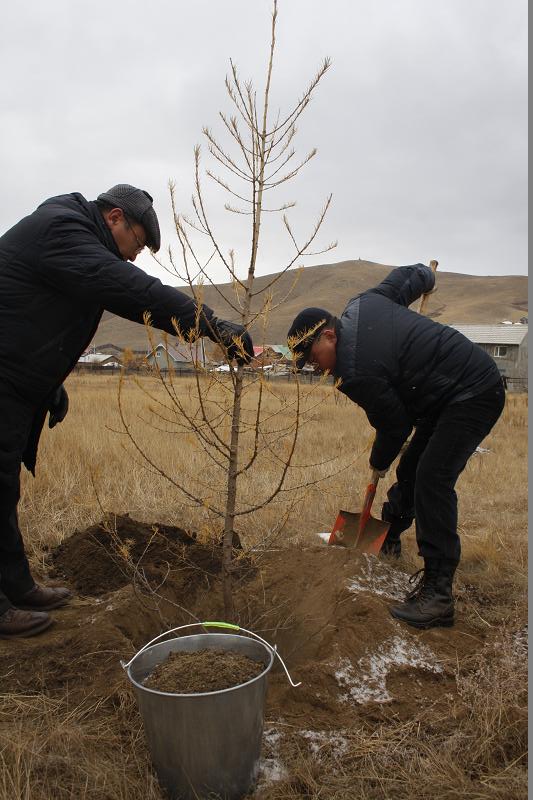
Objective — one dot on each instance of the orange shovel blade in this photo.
(346, 533)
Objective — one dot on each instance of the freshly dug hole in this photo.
(203, 671)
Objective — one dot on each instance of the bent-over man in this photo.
(406, 371)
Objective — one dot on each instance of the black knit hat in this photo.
(137, 204)
(306, 327)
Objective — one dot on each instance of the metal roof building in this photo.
(493, 334)
(507, 344)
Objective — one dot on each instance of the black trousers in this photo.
(429, 468)
(15, 427)
(15, 575)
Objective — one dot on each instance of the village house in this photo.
(96, 360)
(177, 356)
(271, 355)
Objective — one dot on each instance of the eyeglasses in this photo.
(311, 359)
(140, 245)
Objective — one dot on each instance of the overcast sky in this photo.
(420, 124)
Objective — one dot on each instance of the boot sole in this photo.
(30, 632)
(436, 622)
(49, 607)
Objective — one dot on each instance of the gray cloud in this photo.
(421, 123)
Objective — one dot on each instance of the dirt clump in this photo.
(114, 552)
(202, 671)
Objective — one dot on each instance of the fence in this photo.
(188, 372)
(513, 385)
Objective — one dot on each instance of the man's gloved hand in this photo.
(235, 338)
(58, 406)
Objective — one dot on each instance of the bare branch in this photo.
(304, 100)
(285, 161)
(235, 133)
(243, 111)
(225, 186)
(295, 171)
(217, 152)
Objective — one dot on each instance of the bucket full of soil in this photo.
(201, 699)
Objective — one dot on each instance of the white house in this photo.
(90, 360)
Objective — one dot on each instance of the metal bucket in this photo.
(204, 744)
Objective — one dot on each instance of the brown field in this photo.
(448, 720)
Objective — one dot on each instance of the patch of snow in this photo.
(271, 769)
(367, 682)
(271, 737)
(520, 641)
(320, 739)
(378, 577)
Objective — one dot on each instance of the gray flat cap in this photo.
(137, 204)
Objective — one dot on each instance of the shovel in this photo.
(362, 531)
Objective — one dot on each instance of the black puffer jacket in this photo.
(59, 270)
(401, 367)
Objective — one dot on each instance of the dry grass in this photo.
(87, 464)
(51, 749)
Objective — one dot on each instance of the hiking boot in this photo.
(15, 622)
(430, 603)
(416, 579)
(43, 598)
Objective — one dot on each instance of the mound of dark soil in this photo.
(105, 557)
(203, 671)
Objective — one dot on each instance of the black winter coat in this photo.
(59, 270)
(401, 367)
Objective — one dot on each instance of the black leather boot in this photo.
(431, 603)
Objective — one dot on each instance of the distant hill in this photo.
(460, 298)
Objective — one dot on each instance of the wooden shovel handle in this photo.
(369, 499)
(425, 297)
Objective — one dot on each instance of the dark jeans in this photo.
(428, 470)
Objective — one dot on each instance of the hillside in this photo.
(460, 298)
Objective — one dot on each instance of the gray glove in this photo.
(234, 338)
(58, 406)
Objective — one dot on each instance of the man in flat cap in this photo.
(406, 371)
(60, 268)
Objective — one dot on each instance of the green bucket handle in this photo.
(215, 624)
(227, 625)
